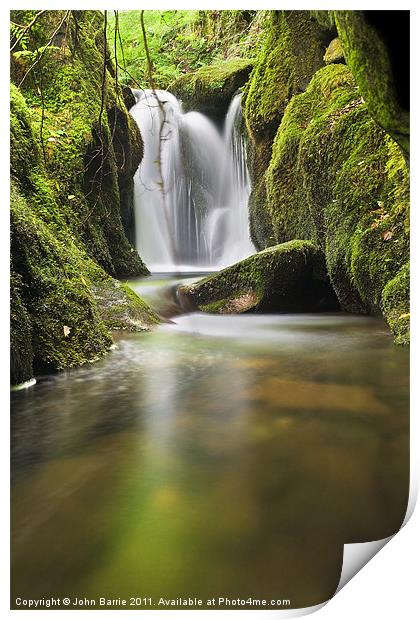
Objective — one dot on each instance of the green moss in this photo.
(325, 19)
(288, 205)
(367, 56)
(56, 293)
(396, 305)
(336, 178)
(67, 200)
(293, 51)
(84, 140)
(21, 352)
(212, 86)
(287, 277)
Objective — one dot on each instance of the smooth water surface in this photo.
(217, 456)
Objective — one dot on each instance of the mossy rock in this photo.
(85, 137)
(290, 277)
(338, 179)
(334, 52)
(211, 88)
(70, 201)
(58, 318)
(55, 274)
(367, 52)
(293, 51)
(120, 308)
(21, 351)
(396, 305)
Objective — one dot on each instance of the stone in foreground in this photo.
(290, 277)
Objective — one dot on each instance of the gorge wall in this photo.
(74, 150)
(329, 138)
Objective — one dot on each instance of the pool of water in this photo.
(227, 456)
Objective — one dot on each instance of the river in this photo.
(215, 456)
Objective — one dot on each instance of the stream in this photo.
(227, 456)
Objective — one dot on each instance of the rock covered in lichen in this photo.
(334, 52)
(289, 277)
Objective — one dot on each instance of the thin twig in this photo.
(38, 59)
(26, 29)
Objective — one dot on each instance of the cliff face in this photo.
(74, 150)
(329, 165)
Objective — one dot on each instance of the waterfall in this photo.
(191, 189)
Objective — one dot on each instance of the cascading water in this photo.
(191, 189)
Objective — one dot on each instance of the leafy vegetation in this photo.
(180, 41)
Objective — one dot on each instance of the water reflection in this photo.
(217, 456)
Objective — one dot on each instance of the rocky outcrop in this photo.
(376, 47)
(211, 88)
(293, 51)
(336, 177)
(290, 277)
(73, 148)
(331, 173)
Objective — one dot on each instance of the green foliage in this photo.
(181, 41)
(171, 40)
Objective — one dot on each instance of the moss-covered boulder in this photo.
(21, 351)
(396, 305)
(58, 318)
(290, 277)
(376, 47)
(211, 88)
(337, 178)
(293, 51)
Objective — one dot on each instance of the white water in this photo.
(191, 211)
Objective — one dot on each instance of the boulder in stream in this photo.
(290, 277)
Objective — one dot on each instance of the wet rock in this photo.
(120, 308)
